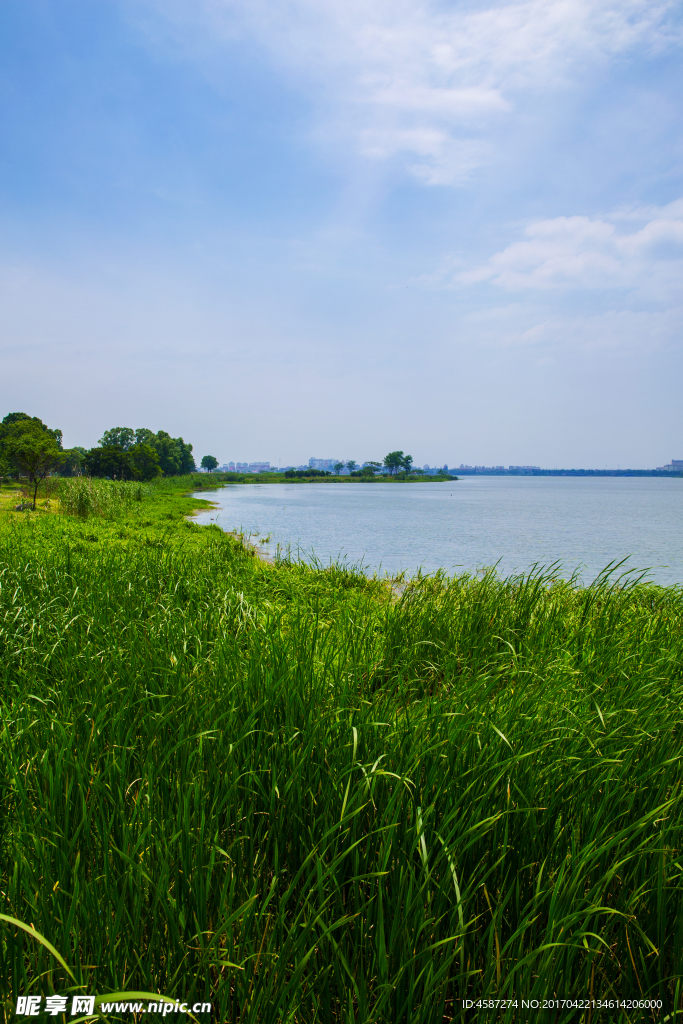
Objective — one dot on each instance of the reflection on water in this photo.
(466, 524)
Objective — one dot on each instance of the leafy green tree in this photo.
(407, 463)
(371, 468)
(74, 462)
(338, 466)
(169, 456)
(144, 462)
(118, 437)
(16, 424)
(139, 462)
(209, 462)
(145, 436)
(35, 453)
(352, 465)
(186, 463)
(109, 461)
(15, 417)
(393, 462)
(175, 454)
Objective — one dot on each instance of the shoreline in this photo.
(279, 478)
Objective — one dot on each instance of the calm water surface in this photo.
(467, 524)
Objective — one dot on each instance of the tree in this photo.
(17, 427)
(145, 436)
(407, 463)
(139, 462)
(372, 467)
(175, 454)
(338, 466)
(169, 456)
(73, 462)
(393, 462)
(16, 424)
(118, 437)
(144, 462)
(110, 461)
(209, 462)
(185, 456)
(351, 465)
(35, 454)
(15, 417)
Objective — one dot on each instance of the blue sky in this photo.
(339, 227)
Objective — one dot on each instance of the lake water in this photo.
(582, 522)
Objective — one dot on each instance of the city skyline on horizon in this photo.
(676, 465)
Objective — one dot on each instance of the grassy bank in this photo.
(286, 791)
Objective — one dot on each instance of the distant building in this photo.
(327, 464)
(249, 467)
(675, 466)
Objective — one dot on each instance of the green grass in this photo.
(286, 790)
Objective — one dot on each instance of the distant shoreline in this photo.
(280, 478)
(570, 472)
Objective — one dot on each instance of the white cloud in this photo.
(580, 252)
(615, 331)
(442, 160)
(424, 78)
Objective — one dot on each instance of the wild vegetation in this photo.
(309, 796)
(29, 448)
(127, 454)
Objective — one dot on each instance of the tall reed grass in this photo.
(277, 788)
(84, 496)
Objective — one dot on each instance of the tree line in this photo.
(393, 463)
(127, 454)
(28, 447)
